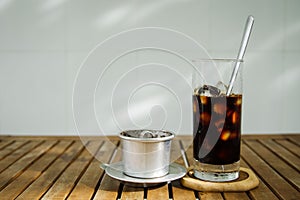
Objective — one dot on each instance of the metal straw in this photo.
(241, 54)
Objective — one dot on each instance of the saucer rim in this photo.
(115, 170)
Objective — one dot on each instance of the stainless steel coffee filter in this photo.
(146, 153)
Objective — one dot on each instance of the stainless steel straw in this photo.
(241, 54)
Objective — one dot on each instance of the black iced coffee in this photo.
(217, 128)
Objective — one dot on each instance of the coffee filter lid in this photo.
(146, 135)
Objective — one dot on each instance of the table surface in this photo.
(63, 168)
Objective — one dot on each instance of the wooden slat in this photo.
(290, 146)
(157, 193)
(16, 155)
(262, 191)
(11, 148)
(86, 185)
(108, 186)
(236, 195)
(5, 143)
(108, 189)
(210, 196)
(19, 166)
(266, 136)
(46, 180)
(284, 154)
(179, 192)
(294, 138)
(130, 192)
(280, 166)
(67, 180)
(33, 172)
(282, 188)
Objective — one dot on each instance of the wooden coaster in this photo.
(246, 181)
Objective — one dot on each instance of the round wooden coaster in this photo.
(246, 181)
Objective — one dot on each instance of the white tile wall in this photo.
(263, 104)
(290, 90)
(29, 26)
(292, 27)
(33, 88)
(43, 43)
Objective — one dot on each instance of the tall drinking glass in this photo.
(216, 120)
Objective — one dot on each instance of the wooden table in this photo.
(62, 168)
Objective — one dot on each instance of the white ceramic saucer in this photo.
(115, 170)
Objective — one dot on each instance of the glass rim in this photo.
(218, 60)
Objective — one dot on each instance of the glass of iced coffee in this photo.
(216, 120)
